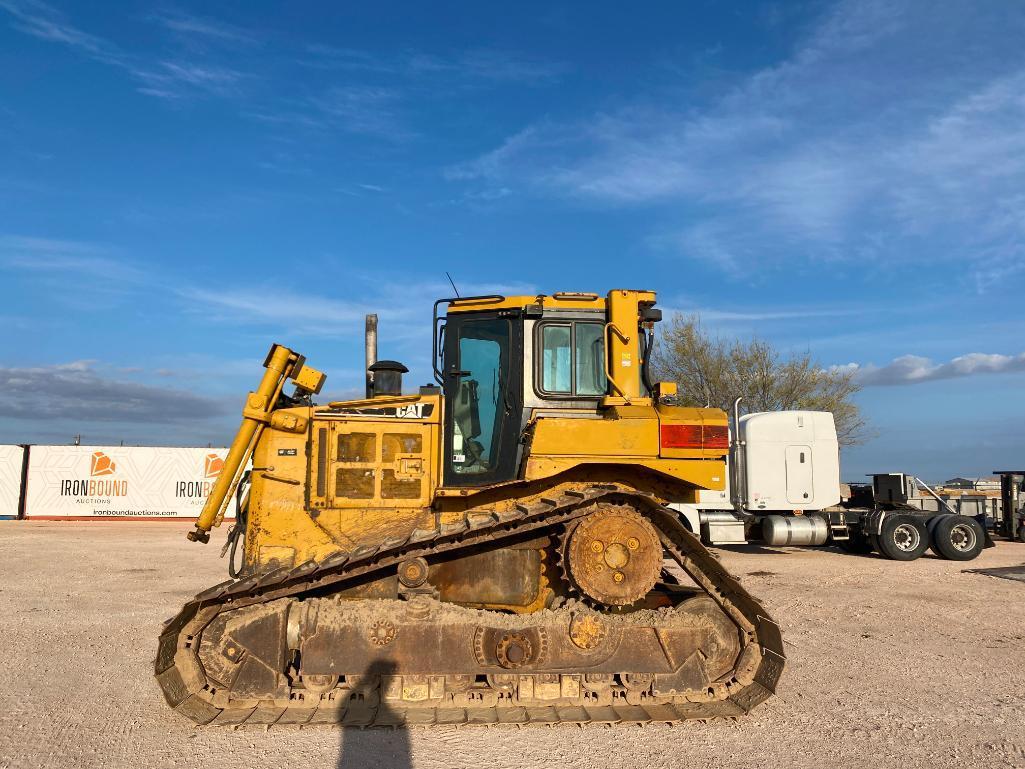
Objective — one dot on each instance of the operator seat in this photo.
(466, 415)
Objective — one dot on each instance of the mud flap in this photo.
(983, 521)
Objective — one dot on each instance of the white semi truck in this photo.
(784, 489)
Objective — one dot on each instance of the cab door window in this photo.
(478, 402)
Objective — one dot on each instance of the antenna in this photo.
(453, 284)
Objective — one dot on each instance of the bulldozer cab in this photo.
(498, 360)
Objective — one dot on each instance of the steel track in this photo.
(753, 679)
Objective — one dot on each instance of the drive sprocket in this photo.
(612, 556)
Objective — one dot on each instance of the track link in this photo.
(189, 690)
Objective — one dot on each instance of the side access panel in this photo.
(800, 476)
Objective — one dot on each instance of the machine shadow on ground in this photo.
(385, 748)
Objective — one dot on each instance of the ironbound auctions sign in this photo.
(11, 458)
(120, 481)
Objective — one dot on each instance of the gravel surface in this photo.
(890, 665)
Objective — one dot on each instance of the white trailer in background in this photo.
(784, 490)
(12, 468)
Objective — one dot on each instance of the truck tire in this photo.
(957, 538)
(903, 537)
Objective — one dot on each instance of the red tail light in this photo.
(695, 437)
(717, 437)
(681, 436)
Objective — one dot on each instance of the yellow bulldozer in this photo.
(494, 548)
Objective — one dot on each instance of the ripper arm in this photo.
(281, 365)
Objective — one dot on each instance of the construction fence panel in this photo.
(11, 466)
(75, 482)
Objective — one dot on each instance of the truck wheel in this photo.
(957, 538)
(858, 544)
(903, 538)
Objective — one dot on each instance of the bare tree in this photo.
(712, 371)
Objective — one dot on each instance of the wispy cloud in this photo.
(503, 67)
(180, 79)
(404, 306)
(191, 26)
(717, 315)
(378, 96)
(360, 190)
(47, 23)
(497, 164)
(913, 369)
(403, 302)
(58, 257)
(886, 118)
(369, 110)
(268, 305)
(172, 78)
(374, 111)
(478, 66)
(36, 244)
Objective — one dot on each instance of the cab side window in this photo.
(572, 360)
(556, 367)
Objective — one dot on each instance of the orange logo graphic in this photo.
(101, 464)
(213, 466)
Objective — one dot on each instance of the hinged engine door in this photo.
(372, 464)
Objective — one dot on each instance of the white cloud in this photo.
(77, 392)
(912, 369)
(901, 119)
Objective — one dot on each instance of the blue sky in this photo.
(182, 184)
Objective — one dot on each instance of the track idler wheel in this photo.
(613, 556)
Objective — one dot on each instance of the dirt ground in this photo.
(890, 665)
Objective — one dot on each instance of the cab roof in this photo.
(561, 300)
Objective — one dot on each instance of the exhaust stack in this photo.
(371, 351)
(738, 463)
